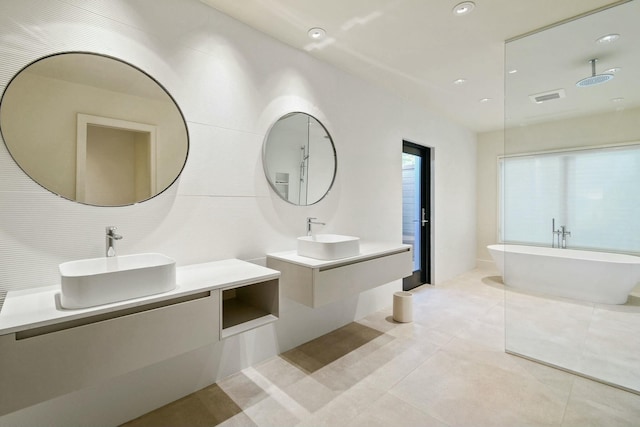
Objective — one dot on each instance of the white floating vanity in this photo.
(47, 351)
(316, 282)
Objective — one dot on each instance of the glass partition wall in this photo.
(569, 196)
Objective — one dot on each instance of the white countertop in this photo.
(36, 307)
(367, 250)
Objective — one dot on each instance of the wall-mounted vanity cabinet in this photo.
(315, 282)
(47, 351)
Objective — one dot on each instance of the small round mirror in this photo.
(93, 129)
(299, 159)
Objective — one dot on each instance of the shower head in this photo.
(594, 79)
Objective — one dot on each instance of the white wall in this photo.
(490, 146)
(231, 83)
(603, 129)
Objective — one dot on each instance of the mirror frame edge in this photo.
(265, 168)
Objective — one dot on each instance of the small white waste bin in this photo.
(403, 307)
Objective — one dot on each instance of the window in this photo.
(594, 192)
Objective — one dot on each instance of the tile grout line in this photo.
(566, 405)
(583, 346)
(390, 391)
(277, 393)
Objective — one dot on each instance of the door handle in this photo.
(424, 220)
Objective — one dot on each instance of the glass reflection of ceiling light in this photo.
(463, 8)
(617, 100)
(459, 81)
(317, 33)
(512, 71)
(485, 100)
(609, 38)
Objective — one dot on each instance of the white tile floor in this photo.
(446, 368)
(597, 340)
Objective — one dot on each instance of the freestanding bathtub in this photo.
(598, 277)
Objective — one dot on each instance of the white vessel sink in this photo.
(328, 246)
(96, 281)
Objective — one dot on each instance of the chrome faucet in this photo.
(554, 233)
(564, 233)
(310, 221)
(110, 237)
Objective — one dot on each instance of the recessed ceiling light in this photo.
(485, 100)
(512, 71)
(613, 70)
(609, 38)
(463, 8)
(459, 81)
(317, 33)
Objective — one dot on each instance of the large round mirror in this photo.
(299, 159)
(93, 129)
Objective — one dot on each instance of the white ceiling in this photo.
(415, 48)
(563, 60)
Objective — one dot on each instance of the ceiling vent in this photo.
(539, 98)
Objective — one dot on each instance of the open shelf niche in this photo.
(248, 307)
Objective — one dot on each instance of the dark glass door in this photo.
(416, 211)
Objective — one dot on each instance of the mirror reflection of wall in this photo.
(299, 159)
(39, 124)
(116, 161)
(573, 155)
